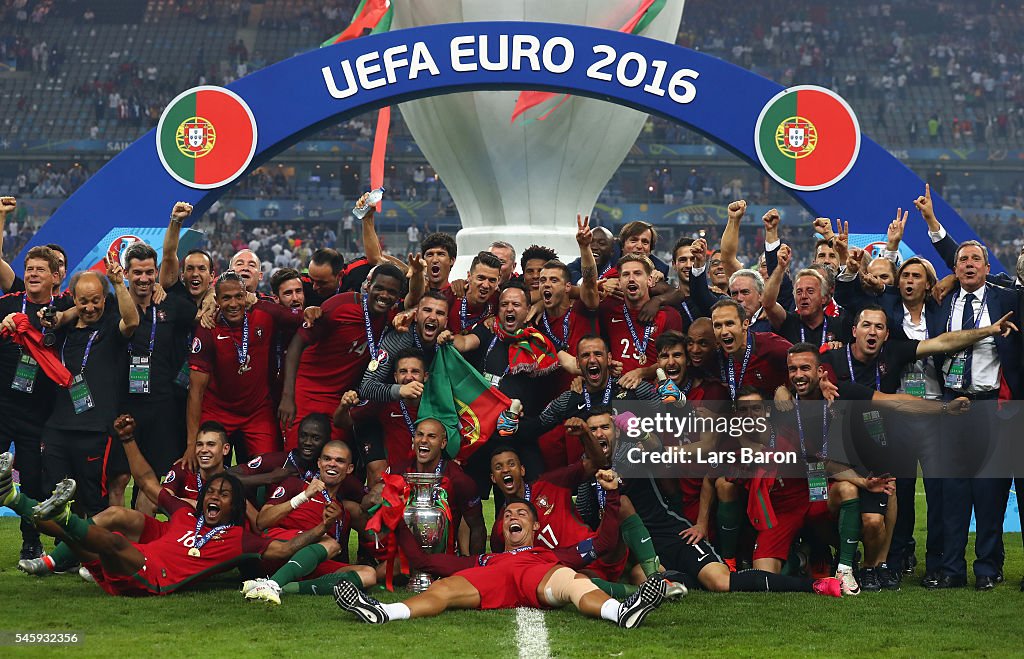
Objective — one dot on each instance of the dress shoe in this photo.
(950, 581)
(930, 580)
(909, 563)
(984, 583)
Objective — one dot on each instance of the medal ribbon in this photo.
(242, 350)
(562, 343)
(371, 342)
(730, 376)
(648, 328)
(605, 398)
(201, 540)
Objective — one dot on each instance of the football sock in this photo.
(322, 585)
(62, 555)
(849, 531)
(728, 527)
(74, 526)
(300, 564)
(20, 502)
(637, 538)
(614, 589)
(610, 610)
(397, 611)
(759, 581)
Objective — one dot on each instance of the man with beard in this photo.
(194, 544)
(631, 340)
(231, 370)
(523, 575)
(439, 252)
(323, 278)
(562, 319)
(809, 323)
(745, 357)
(76, 436)
(156, 353)
(701, 347)
(602, 248)
(430, 319)
(28, 396)
(293, 506)
(286, 284)
(385, 429)
(465, 312)
(683, 259)
(327, 359)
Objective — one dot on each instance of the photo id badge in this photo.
(955, 371)
(817, 481)
(913, 384)
(182, 378)
(875, 426)
(25, 374)
(81, 397)
(138, 375)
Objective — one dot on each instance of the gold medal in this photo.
(373, 365)
(641, 358)
(194, 552)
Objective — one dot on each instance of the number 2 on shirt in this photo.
(626, 345)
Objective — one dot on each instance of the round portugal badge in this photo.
(206, 137)
(807, 137)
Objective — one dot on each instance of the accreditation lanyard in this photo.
(878, 369)
(605, 398)
(152, 336)
(88, 349)
(824, 331)
(641, 347)
(729, 370)
(562, 343)
(977, 319)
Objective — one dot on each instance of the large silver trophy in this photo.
(427, 521)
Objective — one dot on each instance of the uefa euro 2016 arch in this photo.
(294, 99)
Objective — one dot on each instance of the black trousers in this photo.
(28, 460)
(83, 456)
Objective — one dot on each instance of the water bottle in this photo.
(375, 197)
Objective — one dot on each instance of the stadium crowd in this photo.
(284, 421)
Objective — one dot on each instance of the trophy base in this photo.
(473, 240)
(419, 582)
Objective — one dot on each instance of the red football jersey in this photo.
(622, 347)
(459, 321)
(336, 353)
(168, 563)
(551, 494)
(311, 513)
(183, 483)
(234, 388)
(393, 426)
(268, 462)
(766, 370)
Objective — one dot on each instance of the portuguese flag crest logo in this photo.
(807, 137)
(206, 137)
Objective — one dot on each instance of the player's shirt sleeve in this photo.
(673, 321)
(324, 326)
(174, 481)
(171, 504)
(283, 316)
(253, 467)
(553, 413)
(203, 357)
(568, 477)
(607, 538)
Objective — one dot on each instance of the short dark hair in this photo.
(502, 448)
(281, 276)
(389, 270)
(138, 251)
(226, 276)
(57, 248)
(214, 427)
(410, 353)
(804, 348)
(870, 307)
(440, 239)
(600, 410)
(435, 295)
(320, 419)
(667, 339)
(524, 502)
(684, 241)
(555, 264)
(331, 257)
(487, 259)
(591, 337)
(535, 252)
(516, 284)
(209, 258)
(749, 390)
(732, 304)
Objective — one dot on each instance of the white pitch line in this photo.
(531, 634)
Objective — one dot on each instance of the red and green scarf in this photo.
(530, 352)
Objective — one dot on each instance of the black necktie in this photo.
(968, 323)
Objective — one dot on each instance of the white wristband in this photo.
(299, 499)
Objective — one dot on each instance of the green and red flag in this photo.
(637, 23)
(807, 137)
(370, 17)
(465, 403)
(206, 137)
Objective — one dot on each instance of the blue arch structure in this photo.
(291, 101)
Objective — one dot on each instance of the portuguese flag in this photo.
(807, 137)
(462, 400)
(206, 137)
